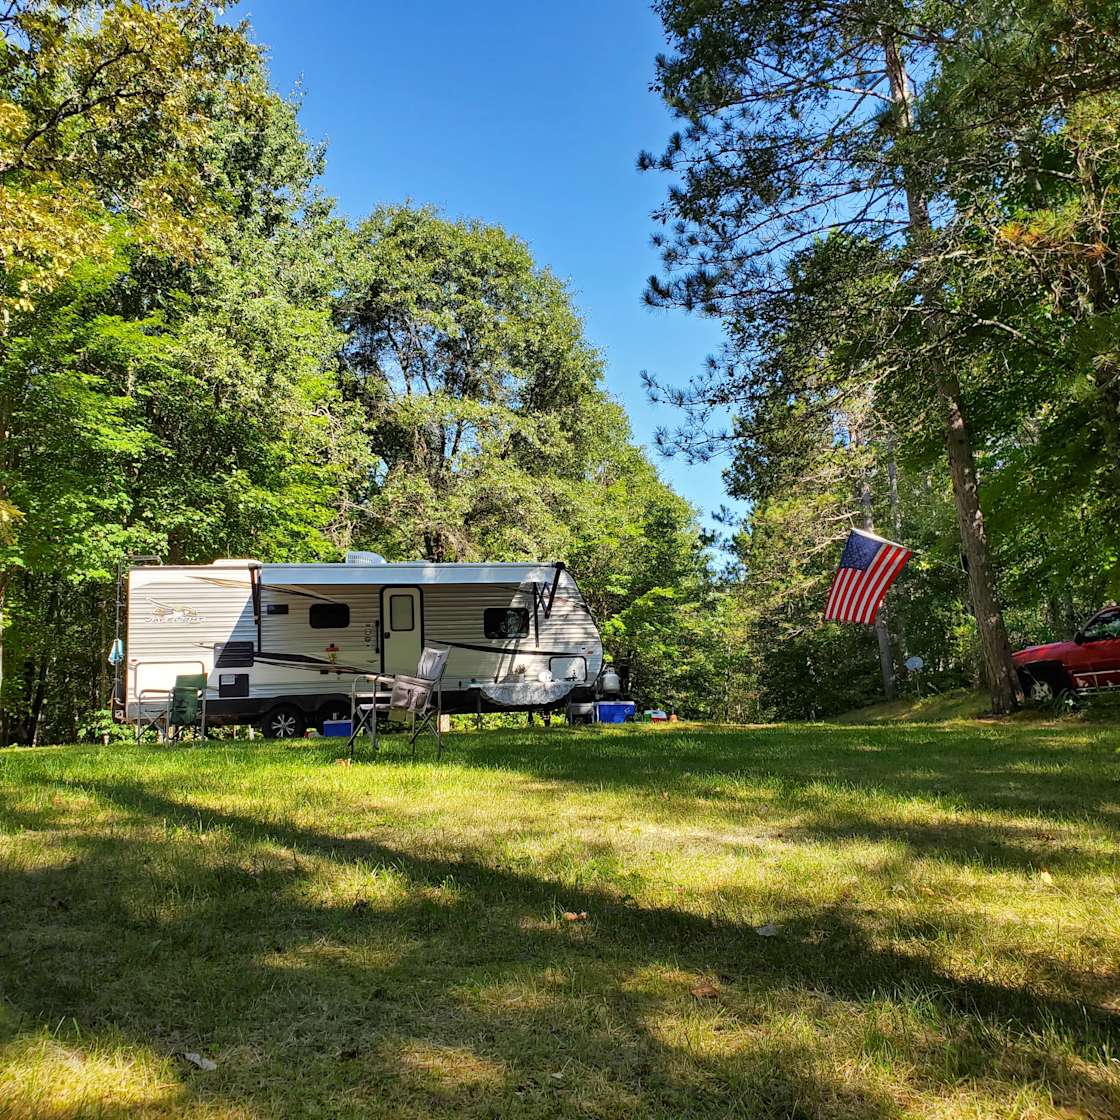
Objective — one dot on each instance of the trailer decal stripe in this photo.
(286, 589)
(308, 661)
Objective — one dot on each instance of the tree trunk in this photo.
(886, 654)
(896, 529)
(1069, 615)
(1000, 672)
(995, 647)
(882, 634)
(37, 691)
(1054, 613)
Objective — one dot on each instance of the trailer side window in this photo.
(329, 616)
(568, 668)
(506, 622)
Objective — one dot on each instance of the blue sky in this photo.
(524, 114)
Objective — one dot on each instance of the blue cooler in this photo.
(336, 728)
(614, 711)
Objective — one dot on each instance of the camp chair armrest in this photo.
(414, 682)
(377, 678)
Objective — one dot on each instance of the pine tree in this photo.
(799, 126)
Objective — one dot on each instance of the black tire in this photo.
(284, 722)
(1045, 683)
(1067, 701)
(332, 709)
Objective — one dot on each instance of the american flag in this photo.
(868, 567)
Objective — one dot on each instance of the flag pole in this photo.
(886, 654)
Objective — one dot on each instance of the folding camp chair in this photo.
(188, 704)
(417, 700)
(178, 708)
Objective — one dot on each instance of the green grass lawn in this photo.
(390, 939)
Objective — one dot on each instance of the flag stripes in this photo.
(867, 569)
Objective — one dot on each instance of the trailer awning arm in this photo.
(255, 590)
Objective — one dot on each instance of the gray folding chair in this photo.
(417, 700)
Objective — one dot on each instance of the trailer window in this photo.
(568, 668)
(402, 614)
(330, 616)
(506, 622)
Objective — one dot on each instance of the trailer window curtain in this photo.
(329, 616)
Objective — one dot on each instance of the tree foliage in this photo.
(200, 359)
(904, 214)
(479, 392)
(903, 211)
(105, 111)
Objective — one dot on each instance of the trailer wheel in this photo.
(285, 722)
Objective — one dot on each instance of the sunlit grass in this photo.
(939, 907)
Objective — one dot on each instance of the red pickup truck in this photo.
(1089, 664)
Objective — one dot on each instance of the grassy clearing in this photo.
(939, 707)
(965, 704)
(390, 939)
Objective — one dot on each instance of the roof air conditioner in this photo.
(364, 558)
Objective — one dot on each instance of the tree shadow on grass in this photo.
(16, 817)
(990, 845)
(1007, 769)
(830, 781)
(458, 990)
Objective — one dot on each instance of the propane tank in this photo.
(609, 683)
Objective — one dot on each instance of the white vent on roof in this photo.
(364, 558)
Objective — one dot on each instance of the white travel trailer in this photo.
(281, 644)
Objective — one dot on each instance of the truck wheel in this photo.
(285, 722)
(1041, 692)
(1067, 701)
(1043, 685)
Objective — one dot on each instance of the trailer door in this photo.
(402, 629)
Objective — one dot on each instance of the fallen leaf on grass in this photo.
(705, 991)
(570, 916)
(1046, 877)
(768, 930)
(198, 1060)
